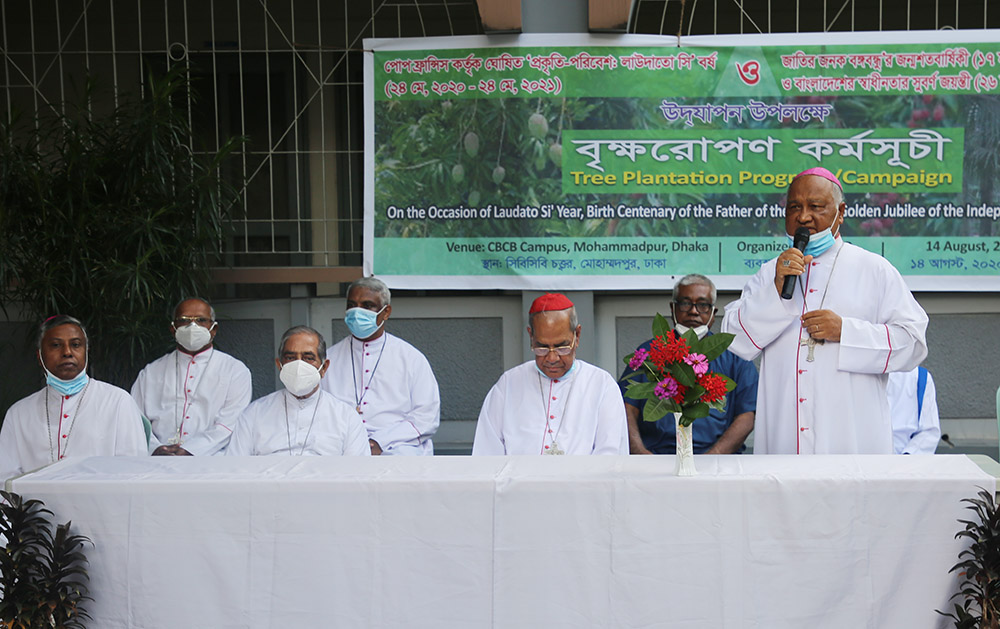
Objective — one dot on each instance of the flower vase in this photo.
(685, 448)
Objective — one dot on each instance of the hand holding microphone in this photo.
(792, 263)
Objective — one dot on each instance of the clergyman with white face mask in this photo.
(73, 415)
(193, 395)
(722, 432)
(386, 381)
(300, 419)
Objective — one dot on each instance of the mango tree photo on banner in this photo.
(623, 162)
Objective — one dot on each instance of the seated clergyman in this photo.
(556, 403)
(193, 395)
(73, 415)
(301, 419)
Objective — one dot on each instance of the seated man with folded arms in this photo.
(302, 419)
(193, 395)
(74, 414)
(554, 404)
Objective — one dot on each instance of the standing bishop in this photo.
(74, 414)
(827, 351)
(387, 381)
(193, 395)
(554, 404)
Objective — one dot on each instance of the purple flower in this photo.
(638, 359)
(666, 389)
(698, 363)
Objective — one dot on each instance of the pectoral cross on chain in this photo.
(811, 343)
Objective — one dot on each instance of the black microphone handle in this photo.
(788, 288)
(800, 241)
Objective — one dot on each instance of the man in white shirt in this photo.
(916, 426)
(193, 395)
(387, 381)
(554, 404)
(301, 419)
(74, 414)
(827, 350)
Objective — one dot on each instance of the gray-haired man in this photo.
(387, 381)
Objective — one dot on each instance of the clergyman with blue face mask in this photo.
(73, 415)
(387, 381)
(850, 320)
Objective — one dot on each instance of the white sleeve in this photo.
(759, 316)
(489, 429)
(424, 416)
(130, 436)
(217, 436)
(241, 442)
(612, 424)
(356, 439)
(10, 462)
(925, 440)
(896, 342)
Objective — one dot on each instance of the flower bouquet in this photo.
(679, 382)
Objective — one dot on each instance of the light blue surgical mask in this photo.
(66, 387)
(818, 242)
(565, 375)
(362, 322)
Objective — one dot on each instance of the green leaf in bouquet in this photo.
(696, 411)
(640, 390)
(660, 326)
(719, 405)
(712, 346)
(655, 409)
(683, 373)
(628, 358)
(730, 383)
(693, 393)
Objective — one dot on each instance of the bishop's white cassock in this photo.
(527, 413)
(393, 386)
(835, 404)
(283, 424)
(100, 420)
(193, 400)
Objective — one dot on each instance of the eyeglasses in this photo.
(702, 306)
(182, 321)
(562, 350)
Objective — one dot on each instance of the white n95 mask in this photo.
(193, 337)
(299, 377)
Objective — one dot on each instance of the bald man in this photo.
(193, 395)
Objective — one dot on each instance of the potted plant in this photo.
(979, 567)
(43, 574)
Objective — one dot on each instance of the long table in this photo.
(751, 541)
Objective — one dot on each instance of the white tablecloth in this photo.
(752, 541)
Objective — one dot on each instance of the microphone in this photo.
(799, 241)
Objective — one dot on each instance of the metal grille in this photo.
(287, 74)
(708, 17)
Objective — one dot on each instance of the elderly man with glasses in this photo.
(722, 432)
(554, 404)
(193, 395)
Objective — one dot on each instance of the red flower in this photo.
(658, 353)
(715, 387)
(681, 392)
(677, 348)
